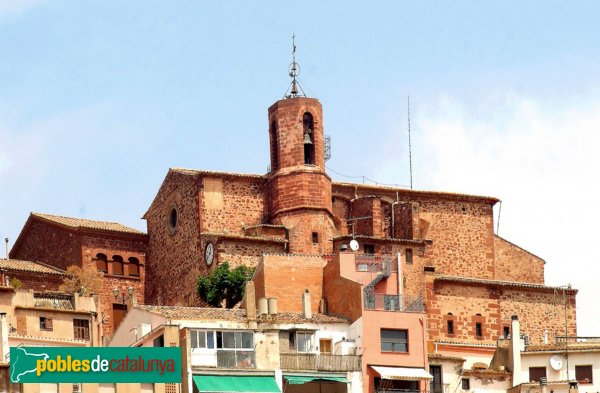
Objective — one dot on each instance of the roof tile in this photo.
(88, 224)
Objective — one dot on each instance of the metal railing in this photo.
(402, 303)
(320, 362)
(372, 263)
(236, 359)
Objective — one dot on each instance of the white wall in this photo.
(576, 358)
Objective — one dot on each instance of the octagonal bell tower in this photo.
(300, 190)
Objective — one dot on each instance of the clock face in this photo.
(209, 254)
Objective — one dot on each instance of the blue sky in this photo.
(99, 99)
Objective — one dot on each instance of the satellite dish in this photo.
(353, 245)
(556, 362)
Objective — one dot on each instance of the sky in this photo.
(99, 98)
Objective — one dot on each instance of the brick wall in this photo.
(37, 281)
(515, 264)
(286, 277)
(125, 247)
(343, 296)
(537, 309)
(47, 243)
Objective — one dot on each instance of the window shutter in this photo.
(48, 323)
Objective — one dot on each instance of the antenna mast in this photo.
(409, 145)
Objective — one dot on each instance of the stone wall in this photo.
(515, 264)
(301, 224)
(126, 248)
(463, 237)
(230, 204)
(538, 309)
(245, 252)
(42, 242)
(174, 257)
(37, 281)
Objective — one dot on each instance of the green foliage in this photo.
(224, 283)
(15, 283)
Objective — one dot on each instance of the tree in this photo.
(224, 283)
(86, 281)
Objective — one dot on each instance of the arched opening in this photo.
(134, 267)
(102, 263)
(274, 150)
(308, 139)
(117, 265)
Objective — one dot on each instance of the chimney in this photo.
(272, 303)
(250, 300)
(515, 350)
(306, 310)
(4, 336)
(263, 306)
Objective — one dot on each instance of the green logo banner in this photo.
(95, 364)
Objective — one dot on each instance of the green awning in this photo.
(301, 379)
(236, 383)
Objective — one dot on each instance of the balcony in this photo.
(372, 263)
(236, 359)
(383, 302)
(319, 362)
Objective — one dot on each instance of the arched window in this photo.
(102, 263)
(117, 265)
(308, 138)
(134, 266)
(274, 150)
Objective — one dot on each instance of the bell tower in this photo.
(300, 190)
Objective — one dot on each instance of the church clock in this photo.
(209, 254)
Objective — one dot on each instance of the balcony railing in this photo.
(383, 302)
(372, 263)
(319, 362)
(236, 359)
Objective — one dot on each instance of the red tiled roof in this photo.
(29, 266)
(236, 314)
(515, 284)
(88, 224)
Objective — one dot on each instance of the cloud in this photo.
(541, 157)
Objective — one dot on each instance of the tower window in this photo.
(450, 326)
(172, 219)
(506, 332)
(102, 263)
(478, 329)
(409, 256)
(315, 238)
(274, 149)
(308, 139)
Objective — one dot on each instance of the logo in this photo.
(95, 364)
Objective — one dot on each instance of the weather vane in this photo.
(294, 90)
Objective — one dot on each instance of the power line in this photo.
(365, 178)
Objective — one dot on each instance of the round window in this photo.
(172, 220)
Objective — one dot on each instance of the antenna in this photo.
(409, 145)
(294, 90)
